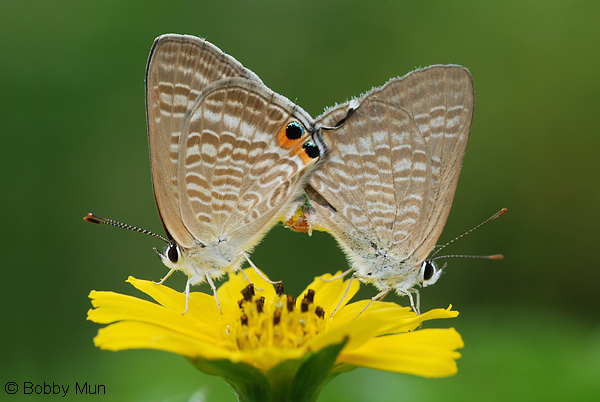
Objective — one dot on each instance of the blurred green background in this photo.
(74, 141)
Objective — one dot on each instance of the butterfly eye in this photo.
(428, 270)
(311, 149)
(294, 130)
(173, 253)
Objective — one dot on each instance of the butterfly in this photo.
(387, 186)
(228, 156)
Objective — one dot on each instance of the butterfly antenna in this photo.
(353, 105)
(487, 257)
(105, 221)
(491, 257)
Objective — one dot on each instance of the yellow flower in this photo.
(266, 331)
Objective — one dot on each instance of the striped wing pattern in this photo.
(179, 68)
(388, 184)
(236, 177)
(228, 156)
(225, 167)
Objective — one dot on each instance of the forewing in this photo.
(441, 101)
(238, 168)
(179, 68)
(394, 163)
(365, 180)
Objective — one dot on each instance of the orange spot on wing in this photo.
(301, 152)
(283, 140)
(294, 145)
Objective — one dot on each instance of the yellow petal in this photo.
(382, 319)
(428, 353)
(136, 335)
(202, 306)
(112, 307)
(392, 312)
(266, 358)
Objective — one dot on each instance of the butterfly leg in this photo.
(214, 289)
(244, 273)
(344, 295)
(335, 278)
(193, 279)
(418, 310)
(250, 282)
(378, 296)
(257, 271)
(418, 297)
(166, 276)
(412, 303)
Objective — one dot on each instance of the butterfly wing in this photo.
(441, 101)
(179, 68)
(393, 166)
(244, 153)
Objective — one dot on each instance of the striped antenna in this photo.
(489, 257)
(105, 221)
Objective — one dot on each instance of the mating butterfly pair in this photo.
(230, 158)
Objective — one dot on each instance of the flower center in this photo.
(278, 322)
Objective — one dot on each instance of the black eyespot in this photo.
(428, 271)
(293, 131)
(311, 149)
(172, 253)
